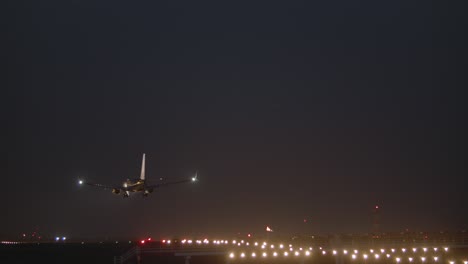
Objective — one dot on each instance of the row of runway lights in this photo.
(264, 245)
(9, 242)
(353, 256)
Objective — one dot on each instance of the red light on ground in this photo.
(305, 220)
(143, 241)
(149, 238)
(249, 235)
(164, 241)
(376, 207)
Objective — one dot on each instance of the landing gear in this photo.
(126, 194)
(145, 193)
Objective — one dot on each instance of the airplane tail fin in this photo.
(142, 174)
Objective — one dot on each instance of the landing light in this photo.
(80, 182)
(194, 179)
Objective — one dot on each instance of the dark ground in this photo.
(104, 253)
(61, 253)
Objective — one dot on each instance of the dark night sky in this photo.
(315, 109)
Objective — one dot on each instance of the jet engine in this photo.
(116, 191)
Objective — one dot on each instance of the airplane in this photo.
(138, 185)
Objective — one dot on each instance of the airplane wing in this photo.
(193, 179)
(105, 187)
(168, 183)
